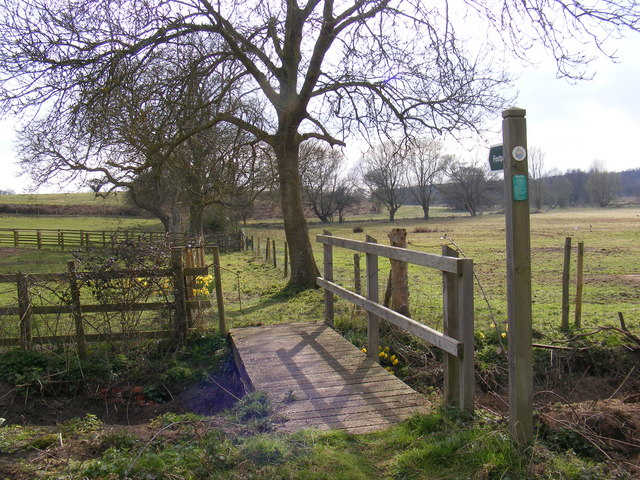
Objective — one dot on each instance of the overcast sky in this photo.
(573, 124)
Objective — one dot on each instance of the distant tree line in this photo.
(416, 172)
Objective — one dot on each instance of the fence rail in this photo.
(66, 239)
(456, 340)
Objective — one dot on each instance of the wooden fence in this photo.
(180, 304)
(69, 239)
(457, 339)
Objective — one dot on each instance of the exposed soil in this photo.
(116, 405)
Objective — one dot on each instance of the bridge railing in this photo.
(456, 340)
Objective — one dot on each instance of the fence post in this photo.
(373, 323)
(252, 247)
(566, 268)
(399, 274)
(26, 310)
(286, 258)
(357, 280)
(328, 276)
(16, 238)
(222, 322)
(76, 310)
(452, 374)
(267, 250)
(258, 247)
(39, 239)
(579, 285)
(180, 295)
(273, 248)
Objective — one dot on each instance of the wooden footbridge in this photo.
(317, 379)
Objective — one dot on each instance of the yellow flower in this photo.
(504, 335)
(388, 369)
(395, 362)
(364, 350)
(386, 349)
(392, 372)
(393, 357)
(381, 354)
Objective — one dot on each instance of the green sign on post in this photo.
(519, 188)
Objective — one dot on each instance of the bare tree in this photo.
(536, 176)
(425, 166)
(318, 69)
(320, 168)
(470, 187)
(602, 186)
(155, 136)
(383, 171)
(347, 195)
(560, 190)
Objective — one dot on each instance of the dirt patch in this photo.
(117, 405)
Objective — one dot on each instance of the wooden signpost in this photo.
(514, 134)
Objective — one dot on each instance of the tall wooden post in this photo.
(373, 322)
(328, 276)
(516, 182)
(222, 322)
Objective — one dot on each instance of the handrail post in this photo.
(466, 312)
(373, 322)
(451, 326)
(328, 276)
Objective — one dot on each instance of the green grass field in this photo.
(254, 295)
(85, 198)
(612, 261)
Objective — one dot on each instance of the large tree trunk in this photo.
(303, 265)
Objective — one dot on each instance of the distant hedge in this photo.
(77, 210)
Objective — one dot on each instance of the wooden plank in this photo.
(423, 259)
(317, 379)
(438, 339)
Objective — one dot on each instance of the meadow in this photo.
(611, 267)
